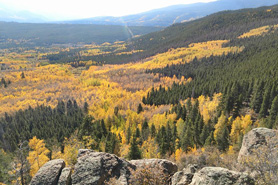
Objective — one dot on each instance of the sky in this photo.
(75, 9)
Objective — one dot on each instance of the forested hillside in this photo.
(226, 25)
(33, 35)
(206, 84)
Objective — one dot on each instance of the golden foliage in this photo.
(258, 31)
(240, 126)
(72, 145)
(208, 106)
(178, 154)
(150, 149)
(220, 125)
(187, 54)
(162, 119)
(38, 155)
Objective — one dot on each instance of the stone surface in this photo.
(191, 168)
(220, 176)
(182, 178)
(168, 167)
(49, 173)
(96, 167)
(257, 139)
(65, 177)
(185, 176)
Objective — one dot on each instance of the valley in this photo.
(188, 93)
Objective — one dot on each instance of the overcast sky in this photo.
(72, 9)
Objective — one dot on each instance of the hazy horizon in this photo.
(55, 10)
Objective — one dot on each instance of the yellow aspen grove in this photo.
(38, 155)
(241, 125)
(220, 126)
(178, 154)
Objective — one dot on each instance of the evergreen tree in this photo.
(111, 143)
(265, 105)
(257, 97)
(86, 108)
(222, 140)
(103, 128)
(86, 127)
(153, 131)
(139, 109)
(205, 133)
(186, 140)
(134, 151)
(128, 135)
(145, 131)
(162, 140)
(210, 140)
(273, 113)
(22, 75)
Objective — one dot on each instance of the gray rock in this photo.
(65, 177)
(191, 168)
(185, 176)
(49, 173)
(220, 176)
(259, 138)
(182, 178)
(96, 167)
(168, 167)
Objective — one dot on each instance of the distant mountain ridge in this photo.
(159, 17)
(8, 14)
(175, 14)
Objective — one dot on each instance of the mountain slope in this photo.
(175, 14)
(46, 34)
(226, 25)
(220, 26)
(10, 15)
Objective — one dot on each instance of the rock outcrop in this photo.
(168, 167)
(49, 173)
(259, 139)
(96, 167)
(65, 177)
(185, 176)
(220, 176)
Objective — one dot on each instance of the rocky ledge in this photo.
(96, 168)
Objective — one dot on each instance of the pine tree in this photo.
(22, 75)
(162, 140)
(103, 128)
(139, 109)
(222, 140)
(205, 134)
(169, 140)
(186, 140)
(86, 126)
(257, 97)
(145, 131)
(128, 137)
(273, 113)
(237, 106)
(153, 131)
(221, 133)
(86, 108)
(210, 140)
(174, 136)
(134, 151)
(110, 143)
(265, 105)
